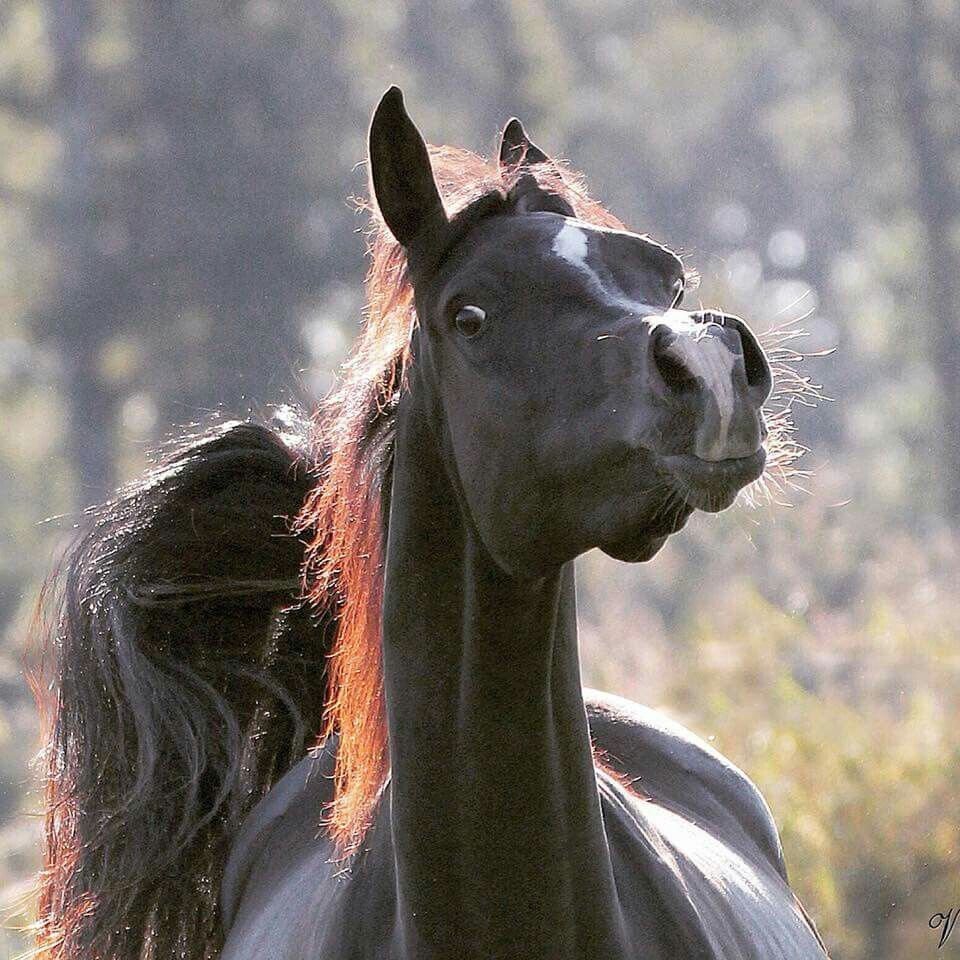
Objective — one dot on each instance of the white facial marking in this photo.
(570, 244)
(698, 346)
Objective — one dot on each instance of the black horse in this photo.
(526, 388)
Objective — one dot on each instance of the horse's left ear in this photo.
(517, 149)
(400, 170)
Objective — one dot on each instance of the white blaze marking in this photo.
(570, 244)
(698, 346)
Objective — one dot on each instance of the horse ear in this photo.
(517, 149)
(400, 170)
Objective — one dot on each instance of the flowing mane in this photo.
(345, 516)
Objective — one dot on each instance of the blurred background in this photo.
(176, 239)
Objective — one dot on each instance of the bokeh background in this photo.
(176, 239)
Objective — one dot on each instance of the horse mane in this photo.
(345, 516)
(179, 678)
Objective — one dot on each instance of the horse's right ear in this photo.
(517, 149)
(400, 170)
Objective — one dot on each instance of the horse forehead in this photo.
(598, 250)
(573, 236)
(616, 265)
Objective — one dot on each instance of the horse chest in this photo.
(686, 891)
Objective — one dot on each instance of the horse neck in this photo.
(499, 844)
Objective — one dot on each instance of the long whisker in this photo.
(806, 293)
(681, 503)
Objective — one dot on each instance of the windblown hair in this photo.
(180, 681)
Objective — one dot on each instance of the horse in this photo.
(395, 577)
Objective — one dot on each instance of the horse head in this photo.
(577, 404)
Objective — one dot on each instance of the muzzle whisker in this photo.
(662, 510)
(790, 306)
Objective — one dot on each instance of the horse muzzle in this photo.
(712, 376)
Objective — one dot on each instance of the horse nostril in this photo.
(755, 362)
(673, 371)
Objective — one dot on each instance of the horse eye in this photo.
(470, 321)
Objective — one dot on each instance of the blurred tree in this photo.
(194, 231)
(489, 52)
(86, 308)
(232, 226)
(903, 76)
(927, 62)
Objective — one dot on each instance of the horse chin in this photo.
(635, 551)
(713, 486)
(645, 544)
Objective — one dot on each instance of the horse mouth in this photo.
(695, 484)
(713, 485)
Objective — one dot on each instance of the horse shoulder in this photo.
(667, 763)
(301, 796)
(289, 895)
